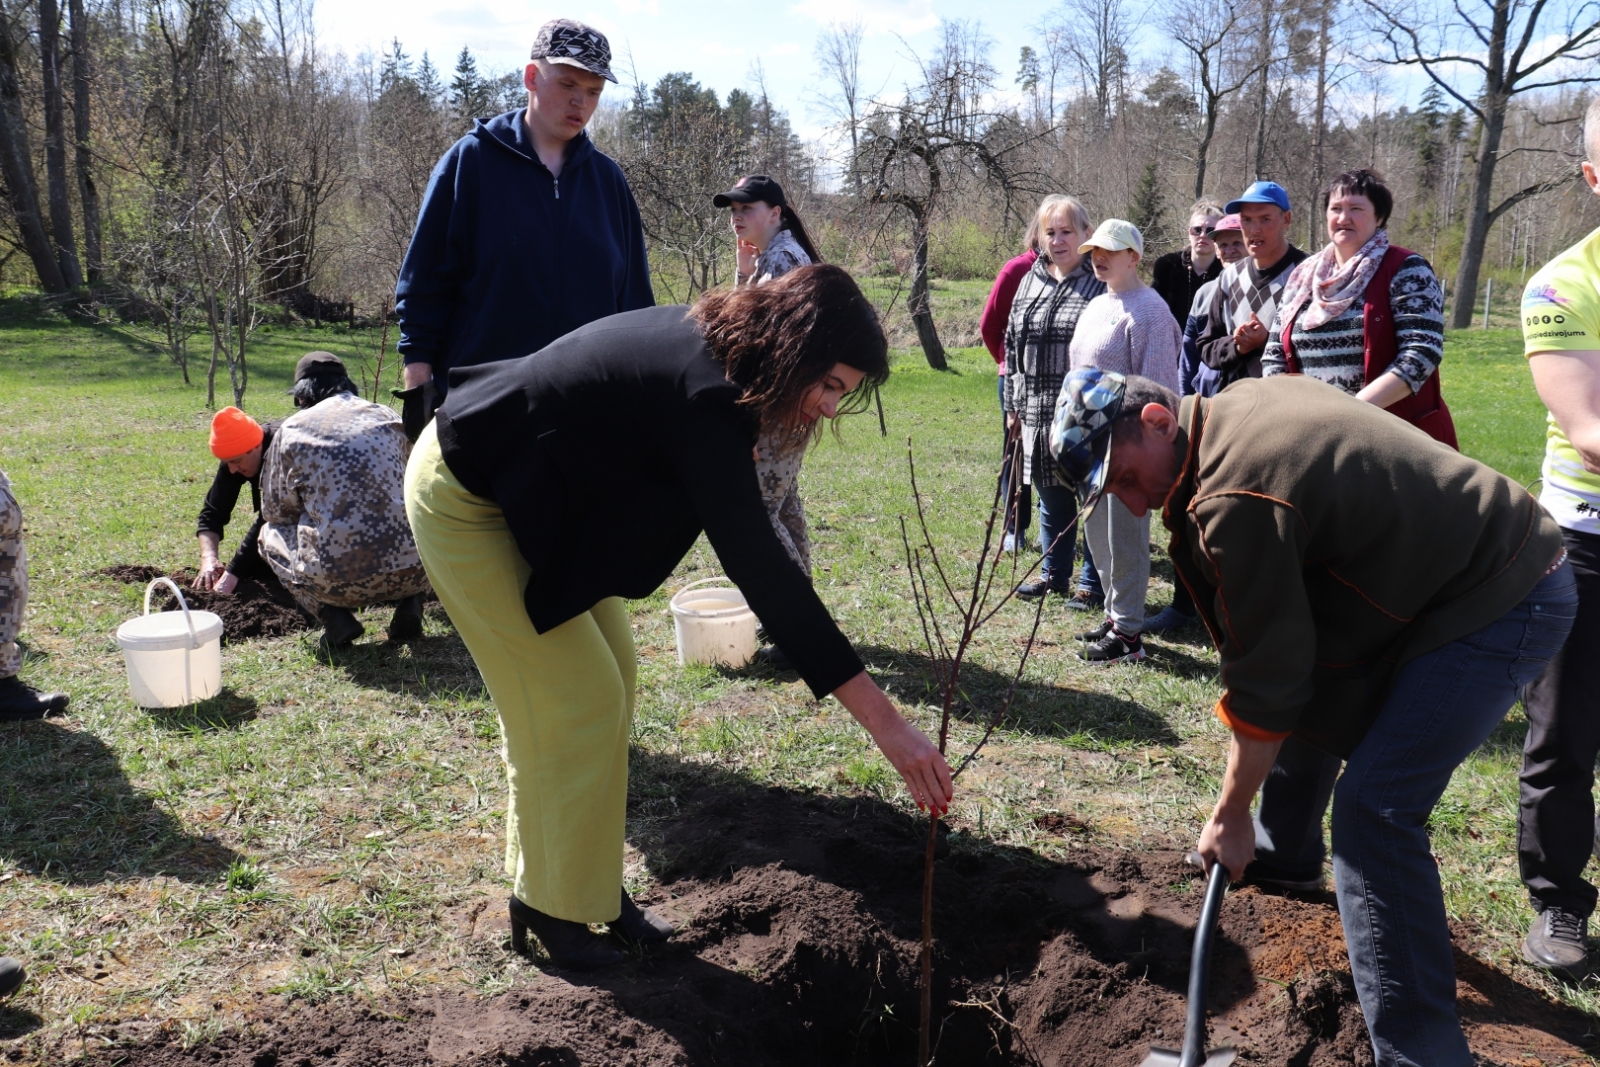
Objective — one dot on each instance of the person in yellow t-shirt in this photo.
(1556, 828)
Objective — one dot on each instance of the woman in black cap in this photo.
(772, 241)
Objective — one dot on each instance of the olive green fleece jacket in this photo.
(1327, 543)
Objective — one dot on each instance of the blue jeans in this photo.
(1058, 532)
(1443, 706)
(1089, 577)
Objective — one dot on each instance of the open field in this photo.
(329, 833)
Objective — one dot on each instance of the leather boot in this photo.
(406, 625)
(636, 924)
(20, 702)
(569, 944)
(340, 628)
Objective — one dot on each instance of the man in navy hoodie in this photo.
(527, 231)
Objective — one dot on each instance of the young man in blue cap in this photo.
(1369, 591)
(527, 231)
(1246, 298)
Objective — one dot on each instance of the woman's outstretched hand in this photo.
(907, 748)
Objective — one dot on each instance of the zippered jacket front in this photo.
(506, 257)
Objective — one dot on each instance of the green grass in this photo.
(333, 829)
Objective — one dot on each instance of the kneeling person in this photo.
(1372, 592)
(334, 527)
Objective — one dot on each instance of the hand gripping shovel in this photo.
(1194, 1052)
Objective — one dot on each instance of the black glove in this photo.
(417, 406)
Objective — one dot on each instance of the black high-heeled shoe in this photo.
(636, 924)
(570, 944)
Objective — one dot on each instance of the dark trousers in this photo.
(1294, 799)
(1556, 824)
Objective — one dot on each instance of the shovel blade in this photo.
(1171, 1057)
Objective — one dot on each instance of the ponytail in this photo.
(791, 222)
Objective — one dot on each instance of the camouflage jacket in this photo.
(335, 473)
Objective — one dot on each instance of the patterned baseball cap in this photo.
(575, 44)
(1080, 433)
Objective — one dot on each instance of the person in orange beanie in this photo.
(326, 484)
(239, 442)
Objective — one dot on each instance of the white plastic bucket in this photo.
(714, 624)
(174, 658)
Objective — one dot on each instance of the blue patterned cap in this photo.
(1080, 433)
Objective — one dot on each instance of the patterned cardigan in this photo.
(1044, 317)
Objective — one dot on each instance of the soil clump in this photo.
(799, 922)
(254, 609)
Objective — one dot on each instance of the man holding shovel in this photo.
(1371, 592)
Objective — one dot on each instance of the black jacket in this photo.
(609, 452)
(506, 258)
(223, 497)
(1174, 278)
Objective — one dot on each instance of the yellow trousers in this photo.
(565, 697)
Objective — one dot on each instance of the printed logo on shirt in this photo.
(1544, 294)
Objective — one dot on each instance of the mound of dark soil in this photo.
(799, 946)
(253, 609)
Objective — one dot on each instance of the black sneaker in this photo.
(1040, 586)
(1259, 872)
(1114, 648)
(1095, 634)
(1083, 600)
(20, 702)
(1558, 941)
(11, 976)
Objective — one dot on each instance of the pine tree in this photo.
(471, 96)
(428, 80)
(396, 68)
(1146, 210)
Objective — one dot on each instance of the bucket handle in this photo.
(194, 640)
(706, 581)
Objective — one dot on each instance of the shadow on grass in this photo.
(228, 710)
(429, 668)
(1039, 708)
(69, 813)
(17, 1022)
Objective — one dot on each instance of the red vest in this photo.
(1425, 409)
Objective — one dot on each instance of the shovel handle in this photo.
(1194, 1031)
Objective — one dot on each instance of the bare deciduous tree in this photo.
(1507, 48)
(939, 132)
(838, 53)
(1207, 30)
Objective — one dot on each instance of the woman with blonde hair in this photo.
(1044, 316)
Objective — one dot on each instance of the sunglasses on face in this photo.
(1200, 231)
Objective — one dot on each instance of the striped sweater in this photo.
(1335, 351)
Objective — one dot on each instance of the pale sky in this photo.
(715, 40)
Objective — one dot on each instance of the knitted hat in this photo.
(233, 433)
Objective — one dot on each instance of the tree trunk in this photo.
(1264, 46)
(55, 143)
(1464, 299)
(918, 303)
(1204, 150)
(88, 194)
(1321, 128)
(16, 167)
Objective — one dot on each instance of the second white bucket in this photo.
(714, 624)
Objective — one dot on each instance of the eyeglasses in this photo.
(1200, 231)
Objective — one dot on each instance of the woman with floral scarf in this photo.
(1367, 317)
(1364, 315)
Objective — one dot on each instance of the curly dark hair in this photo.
(779, 339)
(1362, 182)
(313, 389)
